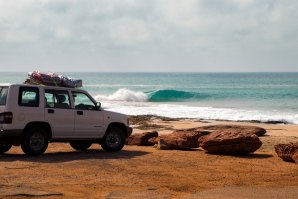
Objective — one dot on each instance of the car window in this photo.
(3, 95)
(57, 99)
(83, 101)
(28, 96)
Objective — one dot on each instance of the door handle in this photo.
(51, 111)
(80, 112)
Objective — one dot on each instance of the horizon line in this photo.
(156, 71)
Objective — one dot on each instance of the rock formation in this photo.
(142, 139)
(233, 142)
(182, 139)
(287, 152)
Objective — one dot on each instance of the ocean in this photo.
(264, 97)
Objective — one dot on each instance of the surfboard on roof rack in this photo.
(52, 79)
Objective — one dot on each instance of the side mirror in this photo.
(98, 105)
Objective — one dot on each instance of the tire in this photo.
(80, 145)
(35, 141)
(113, 140)
(4, 148)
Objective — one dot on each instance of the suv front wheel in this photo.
(113, 140)
(35, 141)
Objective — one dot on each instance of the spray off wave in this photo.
(125, 95)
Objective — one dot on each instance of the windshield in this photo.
(3, 95)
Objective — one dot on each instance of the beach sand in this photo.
(145, 172)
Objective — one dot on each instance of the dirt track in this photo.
(140, 172)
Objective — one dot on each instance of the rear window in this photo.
(3, 95)
(29, 96)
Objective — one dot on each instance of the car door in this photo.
(58, 113)
(88, 119)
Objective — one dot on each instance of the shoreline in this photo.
(165, 125)
(218, 120)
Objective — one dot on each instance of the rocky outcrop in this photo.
(233, 139)
(295, 157)
(181, 139)
(153, 141)
(287, 152)
(162, 145)
(142, 139)
(235, 128)
(230, 142)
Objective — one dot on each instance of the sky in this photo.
(149, 35)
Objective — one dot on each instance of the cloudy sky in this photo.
(149, 35)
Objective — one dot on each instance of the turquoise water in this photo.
(231, 96)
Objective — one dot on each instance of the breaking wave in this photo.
(172, 95)
(127, 95)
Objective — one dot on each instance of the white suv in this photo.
(33, 115)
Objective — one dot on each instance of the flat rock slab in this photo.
(235, 128)
(20, 191)
(136, 195)
(247, 192)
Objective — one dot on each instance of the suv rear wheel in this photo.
(35, 141)
(113, 140)
(80, 145)
(5, 147)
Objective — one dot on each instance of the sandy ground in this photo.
(145, 172)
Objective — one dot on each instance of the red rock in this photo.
(295, 157)
(183, 139)
(153, 141)
(287, 151)
(230, 142)
(235, 128)
(142, 139)
(162, 145)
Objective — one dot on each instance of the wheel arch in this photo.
(44, 125)
(119, 125)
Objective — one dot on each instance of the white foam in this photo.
(184, 111)
(125, 95)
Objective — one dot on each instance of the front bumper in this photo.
(129, 131)
(7, 133)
